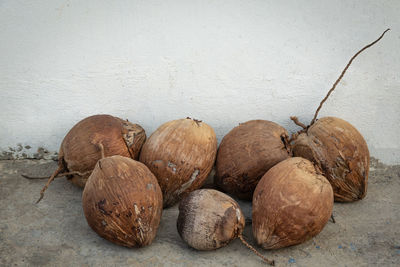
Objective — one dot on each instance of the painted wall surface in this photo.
(223, 62)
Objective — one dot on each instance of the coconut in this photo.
(122, 202)
(336, 147)
(340, 152)
(181, 154)
(246, 153)
(91, 139)
(209, 219)
(291, 204)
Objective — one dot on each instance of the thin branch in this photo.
(270, 262)
(51, 179)
(38, 177)
(297, 122)
(342, 74)
(57, 176)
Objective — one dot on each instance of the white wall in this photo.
(223, 62)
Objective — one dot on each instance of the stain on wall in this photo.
(23, 152)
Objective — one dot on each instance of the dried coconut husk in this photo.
(122, 202)
(291, 204)
(181, 154)
(91, 139)
(340, 152)
(209, 219)
(336, 148)
(246, 153)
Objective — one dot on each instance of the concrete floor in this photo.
(55, 233)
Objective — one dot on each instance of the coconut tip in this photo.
(198, 122)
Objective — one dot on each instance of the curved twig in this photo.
(297, 122)
(342, 74)
(270, 262)
(51, 179)
(39, 177)
(57, 176)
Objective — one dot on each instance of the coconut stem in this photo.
(57, 176)
(294, 136)
(342, 74)
(51, 179)
(198, 122)
(101, 147)
(297, 122)
(270, 262)
(39, 177)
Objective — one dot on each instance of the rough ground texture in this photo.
(55, 232)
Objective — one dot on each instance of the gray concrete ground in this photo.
(55, 233)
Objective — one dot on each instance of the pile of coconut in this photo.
(292, 181)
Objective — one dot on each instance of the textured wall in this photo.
(223, 62)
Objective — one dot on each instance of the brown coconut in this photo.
(340, 152)
(209, 219)
(291, 204)
(336, 148)
(181, 154)
(246, 153)
(122, 202)
(84, 144)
